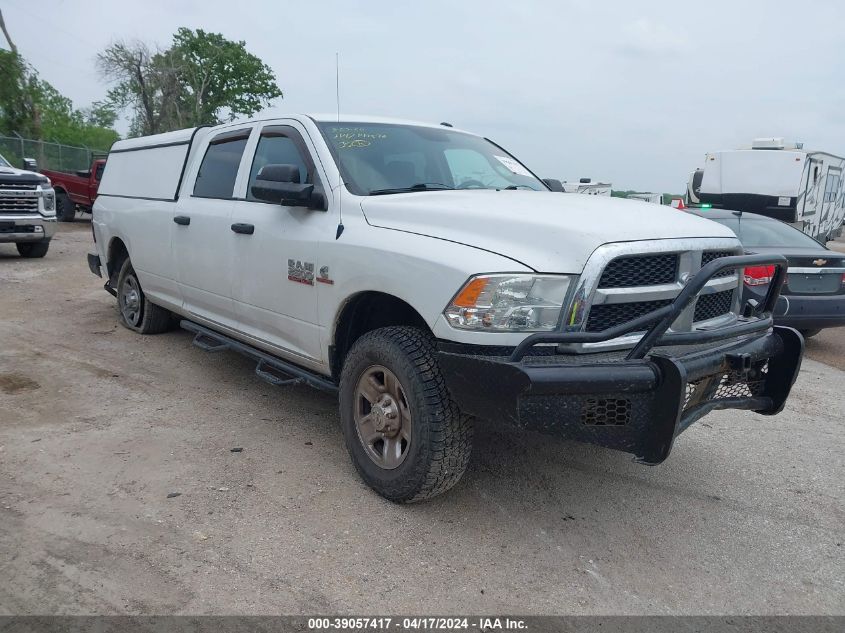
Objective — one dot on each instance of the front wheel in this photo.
(33, 249)
(65, 208)
(406, 436)
(136, 311)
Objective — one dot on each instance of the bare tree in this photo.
(8, 37)
(147, 82)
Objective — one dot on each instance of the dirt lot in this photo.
(99, 425)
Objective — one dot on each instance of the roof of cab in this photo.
(363, 118)
(184, 136)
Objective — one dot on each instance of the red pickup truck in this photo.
(76, 191)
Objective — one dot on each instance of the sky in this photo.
(632, 93)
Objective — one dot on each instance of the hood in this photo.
(12, 175)
(546, 231)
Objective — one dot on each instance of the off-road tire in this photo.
(152, 319)
(33, 249)
(65, 208)
(441, 436)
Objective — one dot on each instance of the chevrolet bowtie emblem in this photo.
(819, 262)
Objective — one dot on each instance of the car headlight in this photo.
(509, 303)
(49, 198)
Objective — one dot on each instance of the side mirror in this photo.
(30, 164)
(553, 184)
(280, 184)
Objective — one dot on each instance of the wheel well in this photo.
(118, 253)
(365, 312)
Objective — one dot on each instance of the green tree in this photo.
(203, 78)
(221, 77)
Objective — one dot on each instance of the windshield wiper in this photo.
(422, 186)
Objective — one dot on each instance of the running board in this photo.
(274, 370)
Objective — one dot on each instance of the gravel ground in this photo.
(99, 426)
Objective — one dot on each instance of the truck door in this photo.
(202, 238)
(276, 268)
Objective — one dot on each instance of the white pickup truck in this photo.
(431, 279)
(27, 210)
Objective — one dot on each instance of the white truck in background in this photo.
(777, 179)
(430, 279)
(27, 210)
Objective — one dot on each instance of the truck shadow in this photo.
(512, 472)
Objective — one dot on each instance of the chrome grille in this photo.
(624, 281)
(16, 186)
(23, 204)
(709, 256)
(712, 306)
(640, 270)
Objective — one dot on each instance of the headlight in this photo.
(49, 197)
(509, 303)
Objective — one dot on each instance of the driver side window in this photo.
(275, 147)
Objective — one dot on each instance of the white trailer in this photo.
(777, 179)
(587, 186)
(654, 198)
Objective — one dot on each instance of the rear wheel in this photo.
(33, 249)
(65, 208)
(136, 311)
(406, 436)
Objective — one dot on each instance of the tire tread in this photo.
(443, 461)
(155, 319)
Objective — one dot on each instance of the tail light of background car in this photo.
(758, 275)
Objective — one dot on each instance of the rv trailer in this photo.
(777, 179)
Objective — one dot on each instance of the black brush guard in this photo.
(638, 403)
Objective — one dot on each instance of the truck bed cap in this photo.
(179, 136)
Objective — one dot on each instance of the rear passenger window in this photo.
(219, 168)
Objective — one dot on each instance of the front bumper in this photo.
(637, 401)
(638, 406)
(26, 228)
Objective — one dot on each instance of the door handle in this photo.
(182, 220)
(246, 229)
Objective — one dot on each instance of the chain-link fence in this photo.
(48, 155)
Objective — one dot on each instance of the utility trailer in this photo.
(777, 179)
(653, 198)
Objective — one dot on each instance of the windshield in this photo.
(760, 233)
(4, 162)
(376, 158)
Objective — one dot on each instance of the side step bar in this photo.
(273, 370)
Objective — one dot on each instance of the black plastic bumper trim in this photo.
(94, 264)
